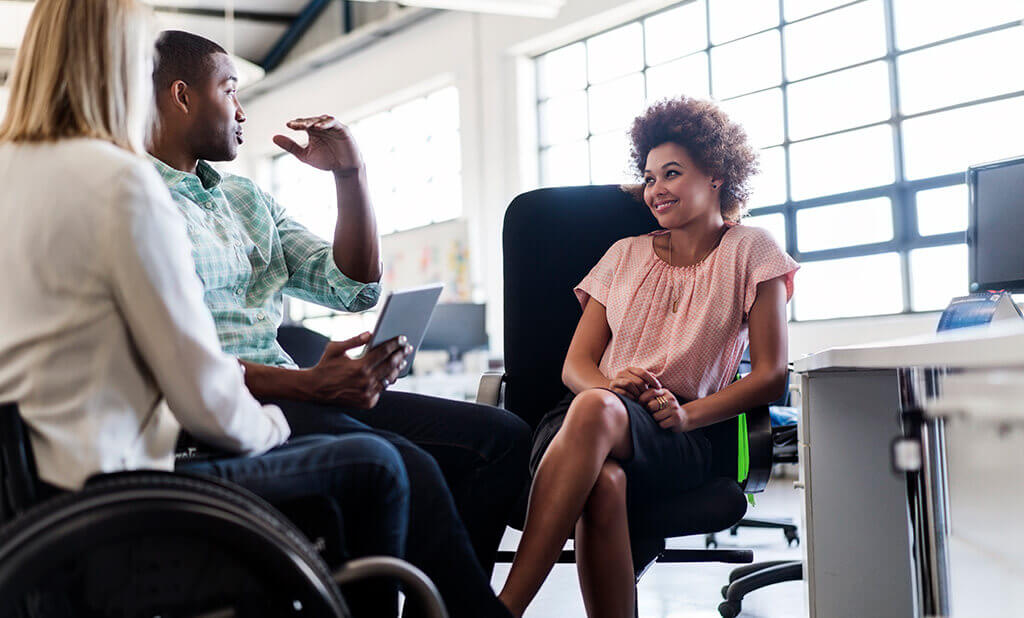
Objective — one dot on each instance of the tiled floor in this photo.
(691, 590)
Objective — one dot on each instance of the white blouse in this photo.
(102, 317)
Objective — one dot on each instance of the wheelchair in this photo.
(151, 543)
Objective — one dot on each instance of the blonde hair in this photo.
(83, 70)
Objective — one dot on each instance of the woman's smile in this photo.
(662, 206)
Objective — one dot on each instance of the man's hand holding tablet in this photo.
(356, 382)
(388, 353)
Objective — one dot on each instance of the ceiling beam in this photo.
(291, 36)
(283, 19)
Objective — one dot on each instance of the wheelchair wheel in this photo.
(155, 543)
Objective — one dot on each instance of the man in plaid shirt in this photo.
(248, 253)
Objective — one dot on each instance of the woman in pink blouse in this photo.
(666, 317)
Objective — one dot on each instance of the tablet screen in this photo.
(406, 312)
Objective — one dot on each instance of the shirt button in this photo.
(261, 316)
(239, 291)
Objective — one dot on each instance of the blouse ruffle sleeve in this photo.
(598, 282)
(763, 260)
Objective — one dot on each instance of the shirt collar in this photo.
(205, 174)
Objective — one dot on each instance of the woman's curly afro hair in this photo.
(716, 143)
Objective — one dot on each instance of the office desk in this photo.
(984, 416)
(868, 551)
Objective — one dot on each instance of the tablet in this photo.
(406, 312)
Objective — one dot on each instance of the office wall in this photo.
(486, 58)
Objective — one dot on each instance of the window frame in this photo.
(902, 192)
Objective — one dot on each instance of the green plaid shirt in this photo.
(248, 252)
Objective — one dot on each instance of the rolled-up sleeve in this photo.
(312, 274)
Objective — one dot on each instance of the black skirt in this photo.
(664, 463)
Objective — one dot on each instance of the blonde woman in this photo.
(103, 315)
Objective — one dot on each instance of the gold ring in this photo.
(661, 402)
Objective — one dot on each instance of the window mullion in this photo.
(904, 220)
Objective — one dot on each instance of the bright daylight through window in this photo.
(414, 168)
(867, 114)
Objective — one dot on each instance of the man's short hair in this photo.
(182, 55)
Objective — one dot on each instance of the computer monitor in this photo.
(995, 234)
(457, 328)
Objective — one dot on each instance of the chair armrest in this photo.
(489, 392)
(760, 445)
(413, 580)
(795, 396)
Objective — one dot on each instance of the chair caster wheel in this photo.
(710, 541)
(725, 592)
(792, 538)
(729, 609)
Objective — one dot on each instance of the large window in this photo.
(867, 114)
(413, 162)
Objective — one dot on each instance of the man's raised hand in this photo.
(331, 146)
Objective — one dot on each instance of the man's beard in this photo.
(217, 146)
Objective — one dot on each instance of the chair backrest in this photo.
(552, 238)
(303, 345)
(17, 465)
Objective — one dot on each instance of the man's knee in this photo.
(596, 410)
(518, 436)
(425, 474)
(368, 450)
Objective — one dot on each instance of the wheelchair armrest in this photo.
(490, 390)
(414, 580)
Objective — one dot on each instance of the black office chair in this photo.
(750, 577)
(784, 450)
(552, 238)
(305, 346)
(159, 543)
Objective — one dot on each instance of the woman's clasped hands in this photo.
(642, 386)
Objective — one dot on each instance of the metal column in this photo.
(927, 492)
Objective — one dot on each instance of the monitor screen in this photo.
(995, 235)
(456, 327)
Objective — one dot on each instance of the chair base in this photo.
(787, 526)
(746, 579)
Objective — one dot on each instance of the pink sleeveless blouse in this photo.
(696, 350)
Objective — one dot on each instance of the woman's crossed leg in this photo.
(580, 484)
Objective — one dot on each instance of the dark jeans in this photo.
(477, 452)
(365, 477)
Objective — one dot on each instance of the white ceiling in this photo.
(253, 39)
(258, 24)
